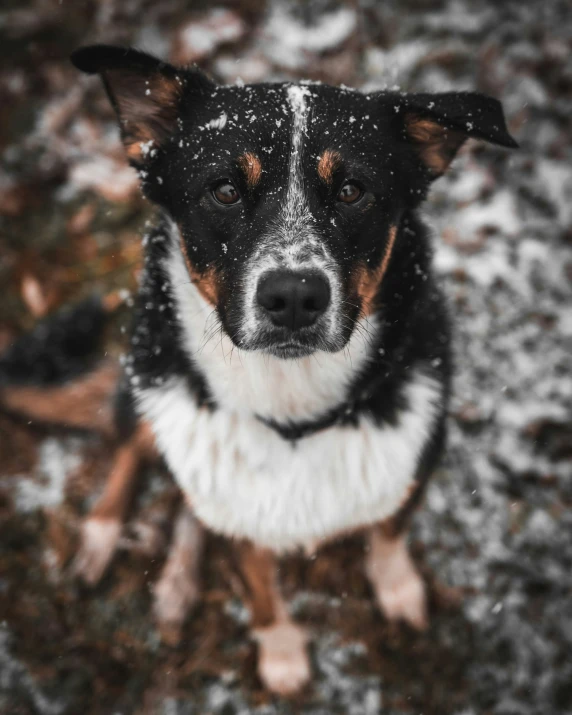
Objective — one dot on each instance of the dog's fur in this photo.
(281, 437)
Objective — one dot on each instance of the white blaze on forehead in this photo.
(296, 205)
(219, 122)
(293, 242)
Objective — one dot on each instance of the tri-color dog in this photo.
(290, 352)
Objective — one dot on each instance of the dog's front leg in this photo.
(283, 663)
(102, 527)
(396, 582)
(177, 590)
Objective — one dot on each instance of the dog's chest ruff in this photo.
(244, 480)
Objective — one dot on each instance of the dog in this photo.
(290, 354)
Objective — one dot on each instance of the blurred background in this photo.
(495, 536)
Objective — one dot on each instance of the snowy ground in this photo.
(497, 525)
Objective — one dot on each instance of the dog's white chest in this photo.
(244, 480)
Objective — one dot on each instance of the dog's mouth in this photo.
(290, 351)
(289, 345)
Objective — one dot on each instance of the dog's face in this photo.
(287, 198)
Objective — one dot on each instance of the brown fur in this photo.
(145, 442)
(144, 117)
(252, 168)
(207, 283)
(438, 145)
(85, 403)
(257, 569)
(329, 162)
(368, 281)
(133, 148)
(112, 301)
(118, 490)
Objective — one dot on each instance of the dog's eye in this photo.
(225, 193)
(350, 193)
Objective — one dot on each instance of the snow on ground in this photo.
(57, 459)
(497, 523)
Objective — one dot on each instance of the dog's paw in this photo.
(175, 594)
(405, 600)
(98, 542)
(283, 662)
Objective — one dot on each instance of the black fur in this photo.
(61, 347)
(379, 152)
(156, 351)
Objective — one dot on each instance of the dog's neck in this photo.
(281, 391)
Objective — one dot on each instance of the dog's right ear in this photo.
(438, 124)
(145, 92)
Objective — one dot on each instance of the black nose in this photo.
(293, 299)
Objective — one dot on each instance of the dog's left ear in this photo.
(438, 124)
(145, 92)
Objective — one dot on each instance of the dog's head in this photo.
(287, 197)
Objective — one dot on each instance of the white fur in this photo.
(283, 663)
(218, 123)
(244, 480)
(98, 543)
(296, 206)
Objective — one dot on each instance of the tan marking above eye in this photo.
(250, 165)
(327, 164)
